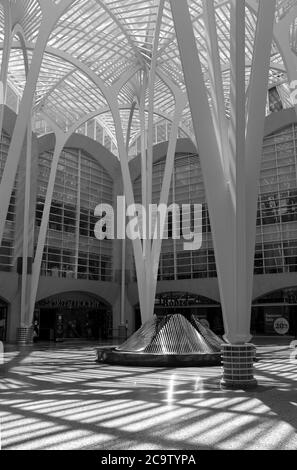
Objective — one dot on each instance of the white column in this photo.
(216, 81)
(124, 244)
(27, 202)
(180, 103)
(240, 328)
(5, 58)
(61, 139)
(231, 202)
(128, 190)
(282, 38)
(219, 199)
(123, 281)
(255, 127)
(146, 242)
(151, 93)
(151, 259)
(21, 126)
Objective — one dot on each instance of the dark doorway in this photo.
(3, 320)
(74, 316)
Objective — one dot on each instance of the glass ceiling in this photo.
(109, 38)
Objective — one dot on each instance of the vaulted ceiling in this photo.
(110, 39)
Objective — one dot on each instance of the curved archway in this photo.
(92, 148)
(73, 315)
(286, 295)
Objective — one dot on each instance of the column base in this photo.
(238, 367)
(24, 336)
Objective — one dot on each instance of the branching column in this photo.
(50, 15)
(282, 38)
(230, 165)
(61, 140)
(5, 57)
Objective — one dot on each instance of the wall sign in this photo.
(175, 299)
(275, 322)
(281, 326)
(65, 303)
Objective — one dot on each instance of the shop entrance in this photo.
(72, 316)
(3, 320)
(276, 313)
(208, 311)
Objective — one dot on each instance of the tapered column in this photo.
(216, 82)
(180, 103)
(5, 58)
(144, 222)
(153, 264)
(282, 38)
(23, 117)
(231, 200)
(255, 125)
(27, 202)
(240, 324)
(50, 15)
(219, 198)
(230, 197)
(146, 255)
(128, 189)
(122, 325)
(61, 139)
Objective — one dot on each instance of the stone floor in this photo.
(58, 397)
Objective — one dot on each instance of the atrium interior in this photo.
(111, 110)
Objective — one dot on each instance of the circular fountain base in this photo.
(175, 340)
(113, 357)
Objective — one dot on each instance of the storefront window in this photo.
(276, 313)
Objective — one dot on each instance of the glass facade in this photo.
(161, 133)
(7, 247)
(276, 244)
(187, 188)
(71, 249)
(276, 247)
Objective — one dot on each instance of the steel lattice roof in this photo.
(109, 38)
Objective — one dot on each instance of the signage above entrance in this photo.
(175, 299)
(73, 300)
(59, 303)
